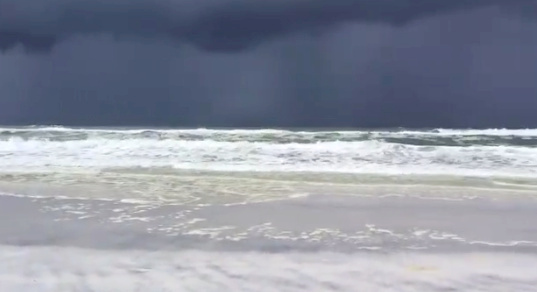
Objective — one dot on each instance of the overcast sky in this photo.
(279, 63)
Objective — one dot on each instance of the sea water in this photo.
(106, 209)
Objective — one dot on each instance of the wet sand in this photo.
(313, 243)
(320, 222)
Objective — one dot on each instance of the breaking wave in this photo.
(432, 137)
(267, 162)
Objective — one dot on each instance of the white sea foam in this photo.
(438, 132)
(498, 158)
(491, 132)
(40, 269)
(333, 156)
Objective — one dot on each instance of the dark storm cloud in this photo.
(32, 43)
(214, 25)
(280, 63)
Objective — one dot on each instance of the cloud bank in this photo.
(213, 25)
(277, 63)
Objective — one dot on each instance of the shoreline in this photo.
(313, 223)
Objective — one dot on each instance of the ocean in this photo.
(134, 209)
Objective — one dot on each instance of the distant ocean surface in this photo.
(267, 209)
